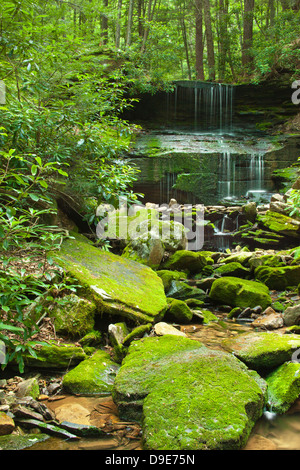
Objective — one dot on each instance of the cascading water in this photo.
(241, 176)
(207, 105)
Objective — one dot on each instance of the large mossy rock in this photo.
(283, 387)
(188, 397)
(93, 376)
(240, 292)
(117, 285)
(263, 350)
(188, 261)
(73, 315)
(233, 269)
(55, 356)
(280, 223)
(278, 278)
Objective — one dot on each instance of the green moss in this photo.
(206, 399)
(240, 292)
(137, 332)
(17, 442)
(188, 261)
(73, 315)
(94, 376)
(263, 350)
(117, 285)
(232, 269)
(280, 223)
(180, 311)
(54, 356)
(278, 278)
(168, 276)
(283, 387)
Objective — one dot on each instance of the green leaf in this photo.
(43, 184)
(34, 170)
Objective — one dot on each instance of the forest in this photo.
(69, 72)
(70, 69)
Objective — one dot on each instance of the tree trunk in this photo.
(247, 58)
(129, 23)
(199, 40)
(104, 24)
(210, 41)
(150, 14)
(118, 25)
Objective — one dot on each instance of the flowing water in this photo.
(199, 150)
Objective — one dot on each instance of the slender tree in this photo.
(209, 40)
(247, 57)
(199, 40)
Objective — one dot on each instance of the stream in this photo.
(198, 148)
(271, 431)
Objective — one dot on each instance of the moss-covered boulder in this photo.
(117, 285)
(93, 376)
(188, 397)
(234, 269)
(188, 261)
(278, 278)
(283, 386)
(263, 350)
(280, 223)
(179, 311)
(181, 290)
(240, 292)
(73, 315)
(20, 442)
(54, 356)
(168, 276)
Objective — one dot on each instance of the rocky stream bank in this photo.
(135, 338)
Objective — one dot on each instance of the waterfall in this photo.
(240, 175)
(211, 103)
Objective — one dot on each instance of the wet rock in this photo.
(240, 292)
(278, 278)
(182, 291)
(271, 321)
(283, 387)
(73, 412)
(117, 285)
(54, 356)
(169, 373)
(291, 315)
(280, 223)
(29, 387)
(117, 333)
(168, 276)
(73, 315)
(18, 442)
(188, 261)
(250, 211)
(94, 376)
(47, 428)
(82, 430)
(163, 328)
(234, 269)
(20, 411)
(179, 311)
(7, 424)
(262, 350)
